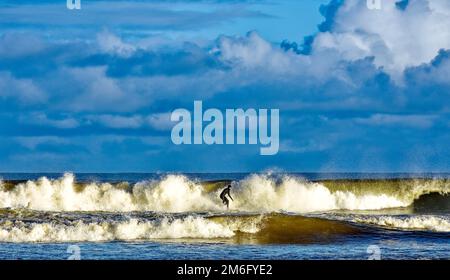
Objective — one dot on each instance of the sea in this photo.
(272, 215)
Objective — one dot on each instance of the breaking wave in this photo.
(422, 222)
(177, 193)
(259, 229)
(105, 231)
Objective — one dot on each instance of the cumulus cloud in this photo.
(25, 90)
(160, 121)
(92, 90)
(110, 43)
(253, 51)
(396, 38)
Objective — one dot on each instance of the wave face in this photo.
(256, 193)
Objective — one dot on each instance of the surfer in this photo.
(223, 195)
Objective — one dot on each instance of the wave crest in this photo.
(176, 193)
(191, 227)
(425, 222)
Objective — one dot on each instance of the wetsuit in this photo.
(223, 196)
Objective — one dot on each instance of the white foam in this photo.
(424, 222)
(189, 227)
(176, 193)
(262, 193)
(172, 194)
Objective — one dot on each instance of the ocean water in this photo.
(180, 216)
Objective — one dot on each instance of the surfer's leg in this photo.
(225, 201)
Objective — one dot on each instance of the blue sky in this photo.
(92, 90)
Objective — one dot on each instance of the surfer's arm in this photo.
(230, 196)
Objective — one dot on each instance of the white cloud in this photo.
(415, 121)
(39, 118)
(252, 51)
(92, 90)
(18, 44)
(397, 39)
(110, 43)
(160, 121)
(117, 121)
(312, 145)
(31, 142)
(23, 89)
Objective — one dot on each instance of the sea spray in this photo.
(177, 193)
(192, 227)
(422, 222)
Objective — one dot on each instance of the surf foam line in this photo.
(176, 193)
(423, 222)
(190, 227)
